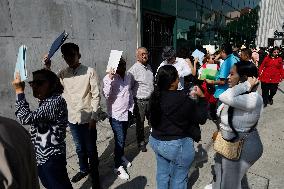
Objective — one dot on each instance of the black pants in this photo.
(268, 91)
(213, 110)
(53, 173)
(141, 110)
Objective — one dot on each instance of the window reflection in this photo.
(216, 22)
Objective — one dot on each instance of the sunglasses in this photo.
(37, 82)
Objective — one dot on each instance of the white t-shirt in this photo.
(183, 70)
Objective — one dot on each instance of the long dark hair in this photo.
(55, 85)
(273, 49)
(244, 70)
(165, 77)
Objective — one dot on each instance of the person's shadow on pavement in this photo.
(106, 166)
(137, 183)
(201, 157)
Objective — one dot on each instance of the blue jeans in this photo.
(174, 159)
(53, 173)
(119, 129)
(85, 140)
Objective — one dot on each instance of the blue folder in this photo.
(21, 63)
(57, 43)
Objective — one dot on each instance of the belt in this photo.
(142, 99)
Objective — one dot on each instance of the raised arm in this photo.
(233, 97)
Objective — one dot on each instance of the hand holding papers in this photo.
(21, 64)
(57, 43)
(113, 60)
(198, 54)
(210, 72)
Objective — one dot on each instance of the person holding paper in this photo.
(81, 92)
(229, 60)
(182, 66)
(208, 71)
(142, 87)
(47, 126)
(120, 104)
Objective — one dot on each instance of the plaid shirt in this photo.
(48, 125)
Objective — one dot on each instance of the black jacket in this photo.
(178, 116)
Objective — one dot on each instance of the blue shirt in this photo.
(224, 73)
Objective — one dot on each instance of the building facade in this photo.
(189, 23)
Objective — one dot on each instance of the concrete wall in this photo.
(96, 26)
(271, 18)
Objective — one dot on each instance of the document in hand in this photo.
(210, 72)
(21, 63)
(57, 43)
(210, 48)
(198, 54)
(113, 60)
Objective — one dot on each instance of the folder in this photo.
(21, 66)
(57, 43)
(198, 54)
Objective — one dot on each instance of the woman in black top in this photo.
(174, 117)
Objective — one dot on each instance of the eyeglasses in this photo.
(37, 82)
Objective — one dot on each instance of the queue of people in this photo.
(174, 110)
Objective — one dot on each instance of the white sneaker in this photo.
(209, 186)
(121, 173)
(125, 162)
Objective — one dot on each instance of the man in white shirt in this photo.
(81, 92)
(143, 86)
(182, 66)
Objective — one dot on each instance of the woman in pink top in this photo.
(119, 99)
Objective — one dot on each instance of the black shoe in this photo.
(271, 102)
(264, 105)
(79, 176)
(143, 148)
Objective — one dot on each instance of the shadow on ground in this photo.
(107, 175)
(137, 183)
(201, 157)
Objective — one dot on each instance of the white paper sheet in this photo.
(210, 48)
(113, 60)
(198, 54)
(211, 66)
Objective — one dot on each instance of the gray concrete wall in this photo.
(96, 26)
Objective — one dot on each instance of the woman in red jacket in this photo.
(270, 75)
